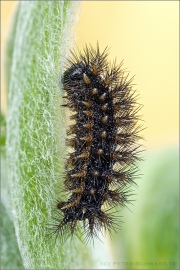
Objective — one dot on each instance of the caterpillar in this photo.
(103, 139)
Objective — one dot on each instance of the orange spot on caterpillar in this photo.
(95, 173)
(100, 152)
(87, 138)
(89, 125)
(104, 119)
(88, 113)
(87, 104)
(104, 107)
(103, 134)
(86, 79)
(102, 97)
(94, 92)
(84, 155)
(95, 69)
(80, 174)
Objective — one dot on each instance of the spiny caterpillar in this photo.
(103, 137)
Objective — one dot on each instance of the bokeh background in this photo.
(146, 35)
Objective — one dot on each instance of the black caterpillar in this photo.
(103, 138)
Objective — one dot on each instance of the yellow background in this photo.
(145, 35)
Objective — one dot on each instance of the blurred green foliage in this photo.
(10, 256)
(3, 133)
(150, 233)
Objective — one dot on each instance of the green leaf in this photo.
(36, 126)
(149, 236)
(10, 256)
(3, 133)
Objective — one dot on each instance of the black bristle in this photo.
(104, 142)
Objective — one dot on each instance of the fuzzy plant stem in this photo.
(36, 127)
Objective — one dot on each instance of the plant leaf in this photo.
(36, 127)
(10, 256)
